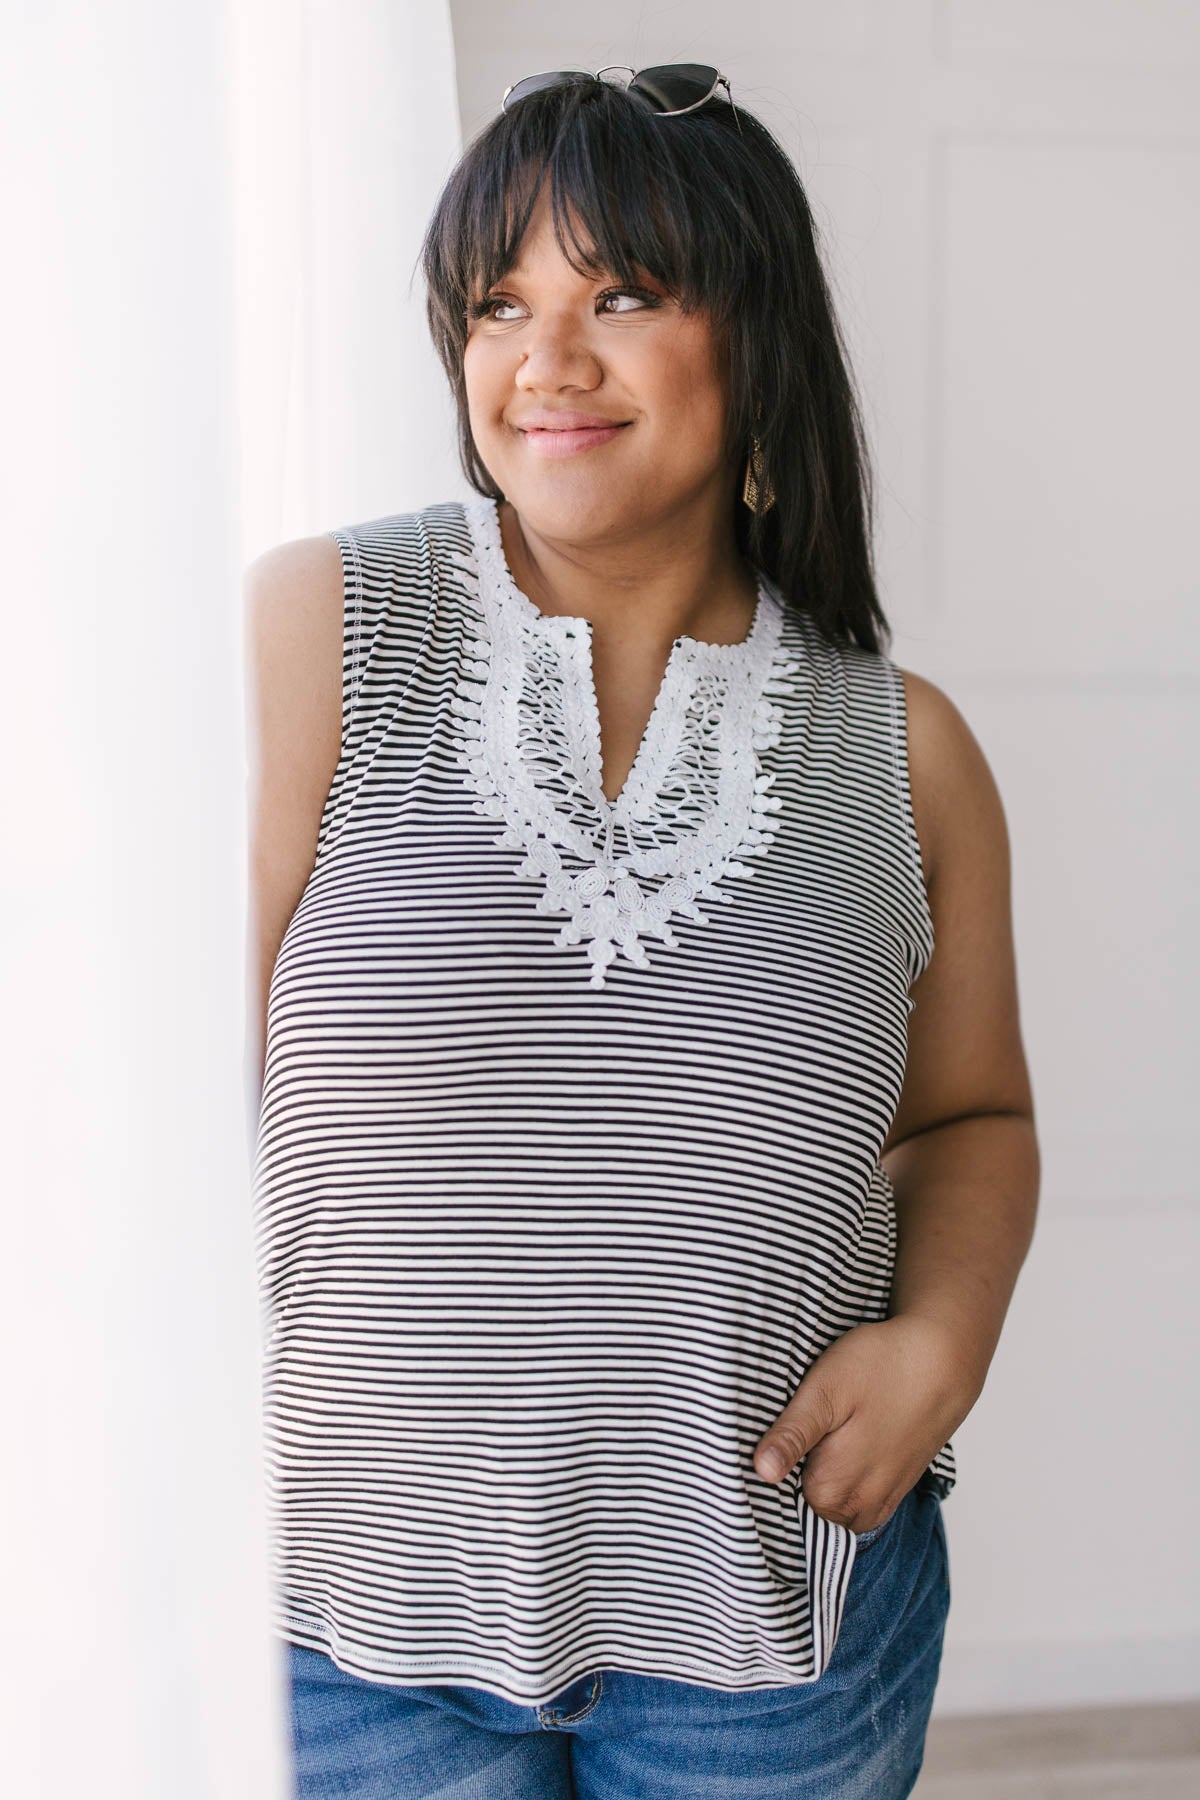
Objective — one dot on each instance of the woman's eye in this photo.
(487, 308)
(638, 294)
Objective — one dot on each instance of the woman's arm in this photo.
(962, 1154)
(293, 644)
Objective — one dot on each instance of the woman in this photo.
(628, 1253)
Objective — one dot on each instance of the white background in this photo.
(212, 339)
(209, 222)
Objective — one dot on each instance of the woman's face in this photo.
(557, 343)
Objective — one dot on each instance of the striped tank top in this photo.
(567, 1162)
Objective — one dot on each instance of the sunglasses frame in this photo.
(564, 77)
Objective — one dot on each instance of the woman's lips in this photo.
(566, 443)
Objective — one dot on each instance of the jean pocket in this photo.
(863, 1538)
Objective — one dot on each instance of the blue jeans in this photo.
(856, 1733)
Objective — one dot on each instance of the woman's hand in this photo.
(871, 1413)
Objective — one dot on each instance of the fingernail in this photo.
(772, 1463)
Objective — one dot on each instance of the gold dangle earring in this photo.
(754, 481)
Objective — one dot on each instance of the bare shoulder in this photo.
(965, 1053)
(956, 802)
(293, 608)
(295, 589)
(293, 605)
(293, 613)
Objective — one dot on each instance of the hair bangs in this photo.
(620, 203)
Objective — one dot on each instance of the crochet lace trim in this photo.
(695, 801)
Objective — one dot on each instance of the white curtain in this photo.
(347, 125)
(210, 217)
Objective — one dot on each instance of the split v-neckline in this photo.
(695, 799)
(575, 638)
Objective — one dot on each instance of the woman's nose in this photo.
(556, 349)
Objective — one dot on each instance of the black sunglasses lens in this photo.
(674, 85)
(533, 84)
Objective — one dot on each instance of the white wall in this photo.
(1010, 194)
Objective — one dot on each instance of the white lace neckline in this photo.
(694, 801)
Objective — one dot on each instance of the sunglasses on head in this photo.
(670, 88)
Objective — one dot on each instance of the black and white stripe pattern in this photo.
(541, 1261)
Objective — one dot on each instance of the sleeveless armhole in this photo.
(940, 1475)
(922, 913)
(352, 663)
(352, 621)
(389, 588)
